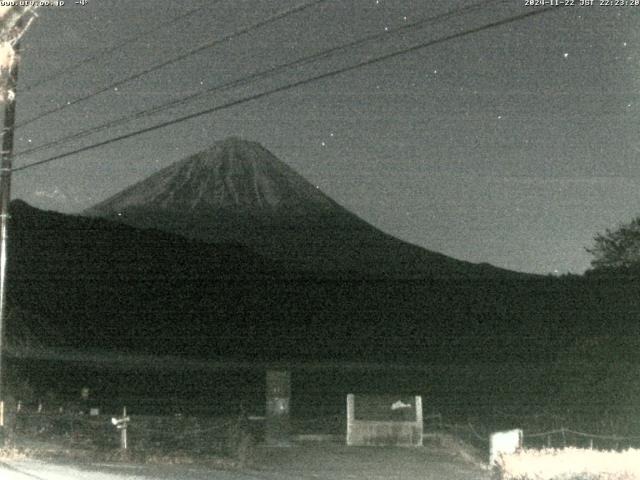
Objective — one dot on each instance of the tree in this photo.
(617, 249)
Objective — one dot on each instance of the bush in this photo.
(569, 464)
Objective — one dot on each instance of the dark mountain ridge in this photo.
(101, 285)
(99, 282)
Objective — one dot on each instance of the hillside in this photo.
(104, 285)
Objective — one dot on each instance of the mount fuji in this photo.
(239, 192)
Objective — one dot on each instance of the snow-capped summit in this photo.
(231, 175)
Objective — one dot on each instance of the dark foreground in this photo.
(309, 460)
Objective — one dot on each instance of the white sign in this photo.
(400, 404)
(504, 443)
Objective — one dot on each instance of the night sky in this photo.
(513, 145)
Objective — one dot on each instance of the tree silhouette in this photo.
(617, 249)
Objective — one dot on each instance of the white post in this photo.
(123, 432)
(350, 417)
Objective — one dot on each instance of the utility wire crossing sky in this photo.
(489, 131)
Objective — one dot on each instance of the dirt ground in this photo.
(334, 460)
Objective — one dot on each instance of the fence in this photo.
(212, 434)
(551, 438)
(160, 434)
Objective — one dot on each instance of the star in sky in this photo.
(493, 74)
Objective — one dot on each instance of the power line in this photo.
(289, 86)
(113, 48)
(173, 60)
(261, 74)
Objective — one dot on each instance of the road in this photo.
(38, 470)
(316, 461)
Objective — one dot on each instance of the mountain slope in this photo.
(237, 191)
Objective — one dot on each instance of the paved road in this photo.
(307, 462)
(37, 470)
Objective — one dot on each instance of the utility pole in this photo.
(12, 29)
(6, 157)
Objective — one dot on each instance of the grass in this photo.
(456, 447)
(569, 464)
(220, 443)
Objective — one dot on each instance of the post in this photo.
(123, 432)
(350, 416)
(278, 398)
(5, 187)
(121, 424)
